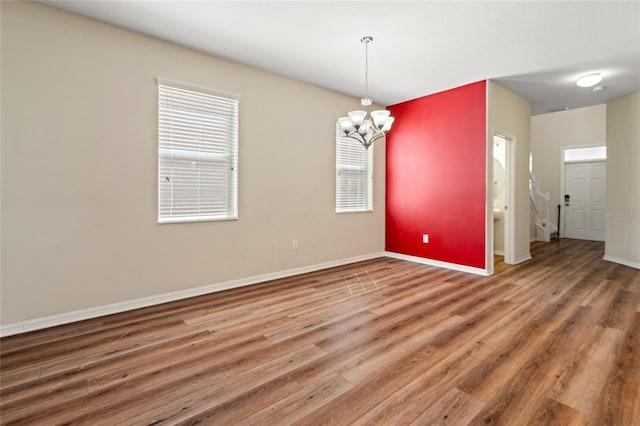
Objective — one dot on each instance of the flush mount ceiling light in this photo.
(589, 80)
(358, 125)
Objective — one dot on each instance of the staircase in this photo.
(545, 228)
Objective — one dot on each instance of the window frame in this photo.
(216, 108)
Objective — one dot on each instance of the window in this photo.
(197, 153)
(354, 175)
(590, 153)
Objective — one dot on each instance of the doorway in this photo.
(584, 200)
(583, 172)
(503, 196)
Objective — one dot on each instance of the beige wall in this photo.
(79, 170)
(510, 115)
(550, 132)
(622, 240)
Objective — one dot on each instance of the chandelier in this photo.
(359, 125)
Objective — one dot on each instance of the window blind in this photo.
(354, 175)
(197, 153)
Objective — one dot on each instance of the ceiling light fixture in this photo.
(589, 80)
(358, 125)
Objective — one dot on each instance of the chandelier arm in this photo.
(377, 136)
(357, 136)
(363, 140)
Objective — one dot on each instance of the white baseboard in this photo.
(114, 308)
(438, 263)
(622, 261)
(499, 252)
(521, 259)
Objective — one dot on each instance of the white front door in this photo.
(584, 200)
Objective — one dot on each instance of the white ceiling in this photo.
(537, 49)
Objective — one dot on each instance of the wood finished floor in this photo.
(555, 340)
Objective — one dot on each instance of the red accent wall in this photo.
(436, 176)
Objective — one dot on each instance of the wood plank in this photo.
(621, 311)
(536, 337)
(581, 381)
(364, 397)
(317, 318)
(46, 390)
(406, 404)
(244, 394)
(510, 402)
(619, 400)
(409, 340)
(602, 295)
(299, 404)
(626, 276)
(454, 408)
(552, 412)
(173, 404)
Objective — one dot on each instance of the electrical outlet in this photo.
(425, 238)
(294, 245)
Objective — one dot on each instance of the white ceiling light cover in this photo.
(589, 80)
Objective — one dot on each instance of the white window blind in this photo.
(354, 175)
(197, 153)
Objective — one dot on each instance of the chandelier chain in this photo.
(366, 68)
(366, 101)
